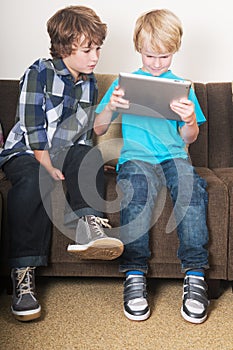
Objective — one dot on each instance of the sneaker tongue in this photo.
(138, 304)
(90, 219)
(23, 276)
(82, 232)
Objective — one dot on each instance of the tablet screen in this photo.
(151, 96)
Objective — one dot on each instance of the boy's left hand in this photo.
(185, 109)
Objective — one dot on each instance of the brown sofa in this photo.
(212, 154)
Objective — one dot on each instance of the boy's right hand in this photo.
(56, 174)
(117, 100)
(43, 157)
(103, 120)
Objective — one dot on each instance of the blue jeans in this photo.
(140, 183)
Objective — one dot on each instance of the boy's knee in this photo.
(135, 186)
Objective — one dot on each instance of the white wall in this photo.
(206, 53)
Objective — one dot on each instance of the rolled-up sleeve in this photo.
(32, 114)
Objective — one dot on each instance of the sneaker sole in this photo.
(101, 249)
(137, 318)
(192, 319)
(25, 316)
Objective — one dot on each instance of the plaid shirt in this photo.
(53, 111)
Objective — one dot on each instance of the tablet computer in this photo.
(151, 96)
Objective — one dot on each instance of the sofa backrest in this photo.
(9, 92)
(199, 149)
(220, 125)
(213, 148)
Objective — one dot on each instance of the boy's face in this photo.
(155, 63)
(83, 59)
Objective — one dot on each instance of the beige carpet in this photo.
(86, 314)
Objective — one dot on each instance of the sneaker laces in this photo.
(24, 280)
(98, 222)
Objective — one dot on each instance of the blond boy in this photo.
(154, 154)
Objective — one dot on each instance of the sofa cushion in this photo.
(110, 144)
(220, 108)
(164, 245)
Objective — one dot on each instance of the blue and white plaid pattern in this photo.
(53, 111)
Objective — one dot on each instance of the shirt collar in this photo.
(61, 69)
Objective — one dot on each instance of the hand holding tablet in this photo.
(152, 96)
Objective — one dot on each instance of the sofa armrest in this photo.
(226, 175)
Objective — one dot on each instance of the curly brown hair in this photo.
(68, 26)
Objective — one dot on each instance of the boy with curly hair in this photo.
(48, 143)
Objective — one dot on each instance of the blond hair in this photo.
(162, 29)
(68, 26)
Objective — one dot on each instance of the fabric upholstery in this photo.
(212, 150)
(226, 175)
(220, 108)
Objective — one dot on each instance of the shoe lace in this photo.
(98, 222)
(24, 280)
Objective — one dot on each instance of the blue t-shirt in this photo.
(149, 139)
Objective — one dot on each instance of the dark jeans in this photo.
(29, 200)
(141, 183)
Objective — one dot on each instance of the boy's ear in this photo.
(75, 46)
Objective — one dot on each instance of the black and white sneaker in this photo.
(195, 299)
(24, 307)
(91, 242)
(135, 298)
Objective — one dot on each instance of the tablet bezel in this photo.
(151, 96)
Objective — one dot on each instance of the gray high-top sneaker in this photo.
(24, 307)
(91, 242)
